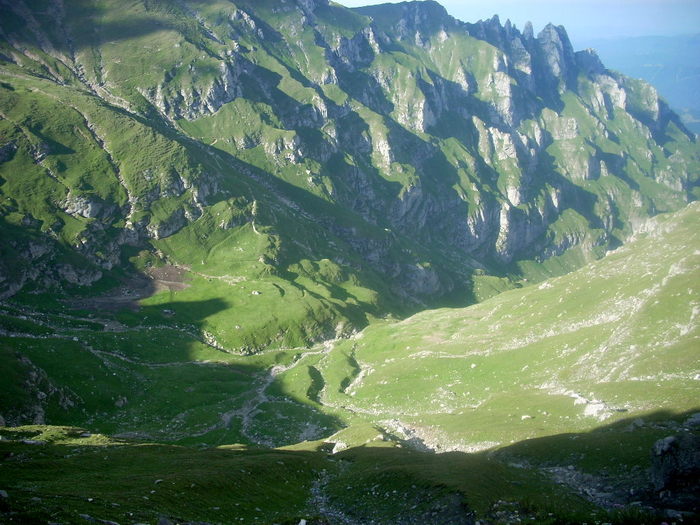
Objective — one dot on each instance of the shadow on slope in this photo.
(69, 475)
(143, 375)
(61, 472)
(622, 464)
(81, 25)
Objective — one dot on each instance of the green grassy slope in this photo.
(571, 380)
(370, 161)
(202, 204)
(615, 338)
(83, 207)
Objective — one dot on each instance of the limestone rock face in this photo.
(589, 62)
(85, 206)
(557, 56)
(448, 146)
(180, 102)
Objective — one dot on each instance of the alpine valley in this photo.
(281, 261)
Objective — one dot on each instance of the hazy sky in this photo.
(583, 19)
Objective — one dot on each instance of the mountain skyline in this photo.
(583, 20)
(284, 262)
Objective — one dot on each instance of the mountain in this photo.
(666, 62)
(568, 401)
(344, 240)
(357, 162)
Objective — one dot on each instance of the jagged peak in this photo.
(557, 36)
(491, 24)
(492, 31)
(558, 54)
(553, 32)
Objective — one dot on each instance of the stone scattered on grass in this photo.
(33, 442)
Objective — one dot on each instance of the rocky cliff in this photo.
(412, 152)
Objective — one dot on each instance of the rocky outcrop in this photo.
(176, 102)
(557, 60)
(675, 462)
(39, 391)
(468, 145)
(87, 206)
(7, 151)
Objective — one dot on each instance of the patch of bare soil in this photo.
(131, 290)
(168, 274)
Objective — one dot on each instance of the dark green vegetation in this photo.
(128, 482)
(205, 202)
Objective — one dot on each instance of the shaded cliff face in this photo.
(390, 149)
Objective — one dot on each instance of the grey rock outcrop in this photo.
(676, 462)
(7, 151)
(693, 421)
(86, 206)
(557, 57)
(476, 145)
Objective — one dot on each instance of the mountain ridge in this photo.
(659, 61)
(339, 238)
(427, 151)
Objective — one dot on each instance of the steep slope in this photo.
(203, 202)
(616, 338)
(663, 62)
(359, 162)
(569, 384)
